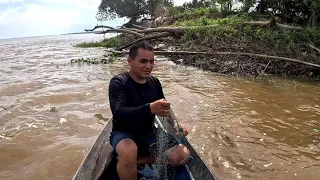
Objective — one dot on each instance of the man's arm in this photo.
(121, 113)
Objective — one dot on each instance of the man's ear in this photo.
(129, 59)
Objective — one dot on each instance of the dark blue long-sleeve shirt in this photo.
(130, 104)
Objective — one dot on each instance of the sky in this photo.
(23, 18)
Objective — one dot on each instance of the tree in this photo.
(290, 11)
(247, 5)
(111, 9)
(315, 13)
(225, 5)
(198, 4)
(154, 5)
(262, 7)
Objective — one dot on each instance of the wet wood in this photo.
(314, 48)
(154, 36)
(101, 157)
(98, 157)
(167, 53)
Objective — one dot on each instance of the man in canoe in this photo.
(135, 98)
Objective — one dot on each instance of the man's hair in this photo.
(133, 53)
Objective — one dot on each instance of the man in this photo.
(135, 98)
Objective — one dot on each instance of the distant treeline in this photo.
(303, 12)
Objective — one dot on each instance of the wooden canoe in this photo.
(100, 162)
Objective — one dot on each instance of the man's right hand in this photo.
(160, 107)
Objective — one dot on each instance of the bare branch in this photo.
(96, 27)
(154, 36)
(123, 31)
(138, 27)
(164, 29)
(228, 53)
(314, 48)
(283, 26)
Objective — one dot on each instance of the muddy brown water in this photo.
(242, 129)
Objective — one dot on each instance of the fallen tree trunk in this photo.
(96, 27)
(180, 30)
(123, 31)
(154, 36)
(314, 48)
(138, 30)
(272, 23)
(138, 27)
(227, 53)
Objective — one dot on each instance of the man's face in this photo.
(143, 64)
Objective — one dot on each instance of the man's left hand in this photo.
(184, 130)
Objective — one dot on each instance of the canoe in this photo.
(101, 160)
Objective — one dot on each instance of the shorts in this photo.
(146, 146)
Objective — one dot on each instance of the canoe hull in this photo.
(100, 162)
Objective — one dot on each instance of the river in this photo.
(242, 129)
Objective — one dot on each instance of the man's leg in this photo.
(127, 151)
(127, 165)
(178, 155)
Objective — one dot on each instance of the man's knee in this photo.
(178, 155)
(127, 151)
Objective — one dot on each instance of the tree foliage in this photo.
(111, 9)
(304, 12)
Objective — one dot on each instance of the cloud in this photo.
(6, 16)
(180, 2)
(45, 17)
(34, 19)
(52, 17)
(84, 4)
(10, 1)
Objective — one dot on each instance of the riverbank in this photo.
(243, 37)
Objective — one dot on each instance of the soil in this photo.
(240, 66)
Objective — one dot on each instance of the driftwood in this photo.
(272, 23)
(314, 48)
(154, 36)
(101, 26)
(138, 27)
(139, 31)
(227, 53)
(123, 31)
(144, 33)
(180, 30)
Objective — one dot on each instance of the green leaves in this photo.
(113, 42)
(316, 130)
(111, 9)
(53, 109)
(108, 59)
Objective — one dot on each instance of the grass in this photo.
(180, 11)
(227, 29)
(287, 41)
(108, 43)
(109, 58)
(204, 21)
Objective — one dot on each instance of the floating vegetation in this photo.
(100, 119)
(3, 136)
(53, 109)
(108, 59)
(316, 130)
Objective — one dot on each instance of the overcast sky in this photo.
(21, 18)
